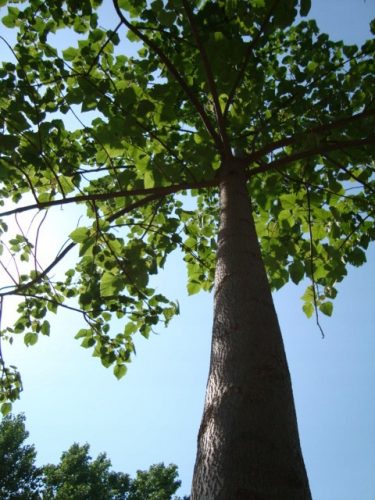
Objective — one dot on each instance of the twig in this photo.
(309, 221)
(350, 174)
(96, 59)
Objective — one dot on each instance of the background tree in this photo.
(158, 483)
(19, 477)
(78, 476)
(224, 98)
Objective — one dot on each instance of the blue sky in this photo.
(153, 414)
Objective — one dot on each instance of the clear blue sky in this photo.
(153, 414)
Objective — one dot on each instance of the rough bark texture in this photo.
(248, 444)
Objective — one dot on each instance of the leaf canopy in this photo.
(126, 120)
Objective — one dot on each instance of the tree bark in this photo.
(248, 443)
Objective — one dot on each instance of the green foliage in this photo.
(126, 134)
(77, 476)
(19, 477)
(158, 483)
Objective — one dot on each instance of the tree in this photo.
(78, 476)
(264, 122)
(19, 477)
(158, 483)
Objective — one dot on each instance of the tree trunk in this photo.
(248, 444)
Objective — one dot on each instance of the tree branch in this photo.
(320, 150)
(139, 124)
(132, 206)
(320, 129)
(246, 61)
(316, 187)
(174, 72)
(338, 165)
(26, 286)
(157, 191)
(301, 90)
(95, 61)
(210, 77)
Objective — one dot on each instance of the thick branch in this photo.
(157, 191)
(320, 150)
(174, 72)
(320, 129)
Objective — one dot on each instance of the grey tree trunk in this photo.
(248, 444)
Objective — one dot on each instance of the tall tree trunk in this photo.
(248, 444)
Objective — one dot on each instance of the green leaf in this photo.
(83, 332)
(305, 7)
(101, 156)
(110, 284)
(308, 309)
(308, 296)
(119, 371)
(357, 257)
(194, 287)
(145, 107)
(6, 408)
(297, 271)
(326, 308)
(135, 7)
(148, 179)
(30, 338)
(257, 3)
(45, 328)
(288, 200)
(70, 53)
(79, 235)
(8, 142)
(88, 342)
(106, 316)
(11, 20)
(130, 328)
